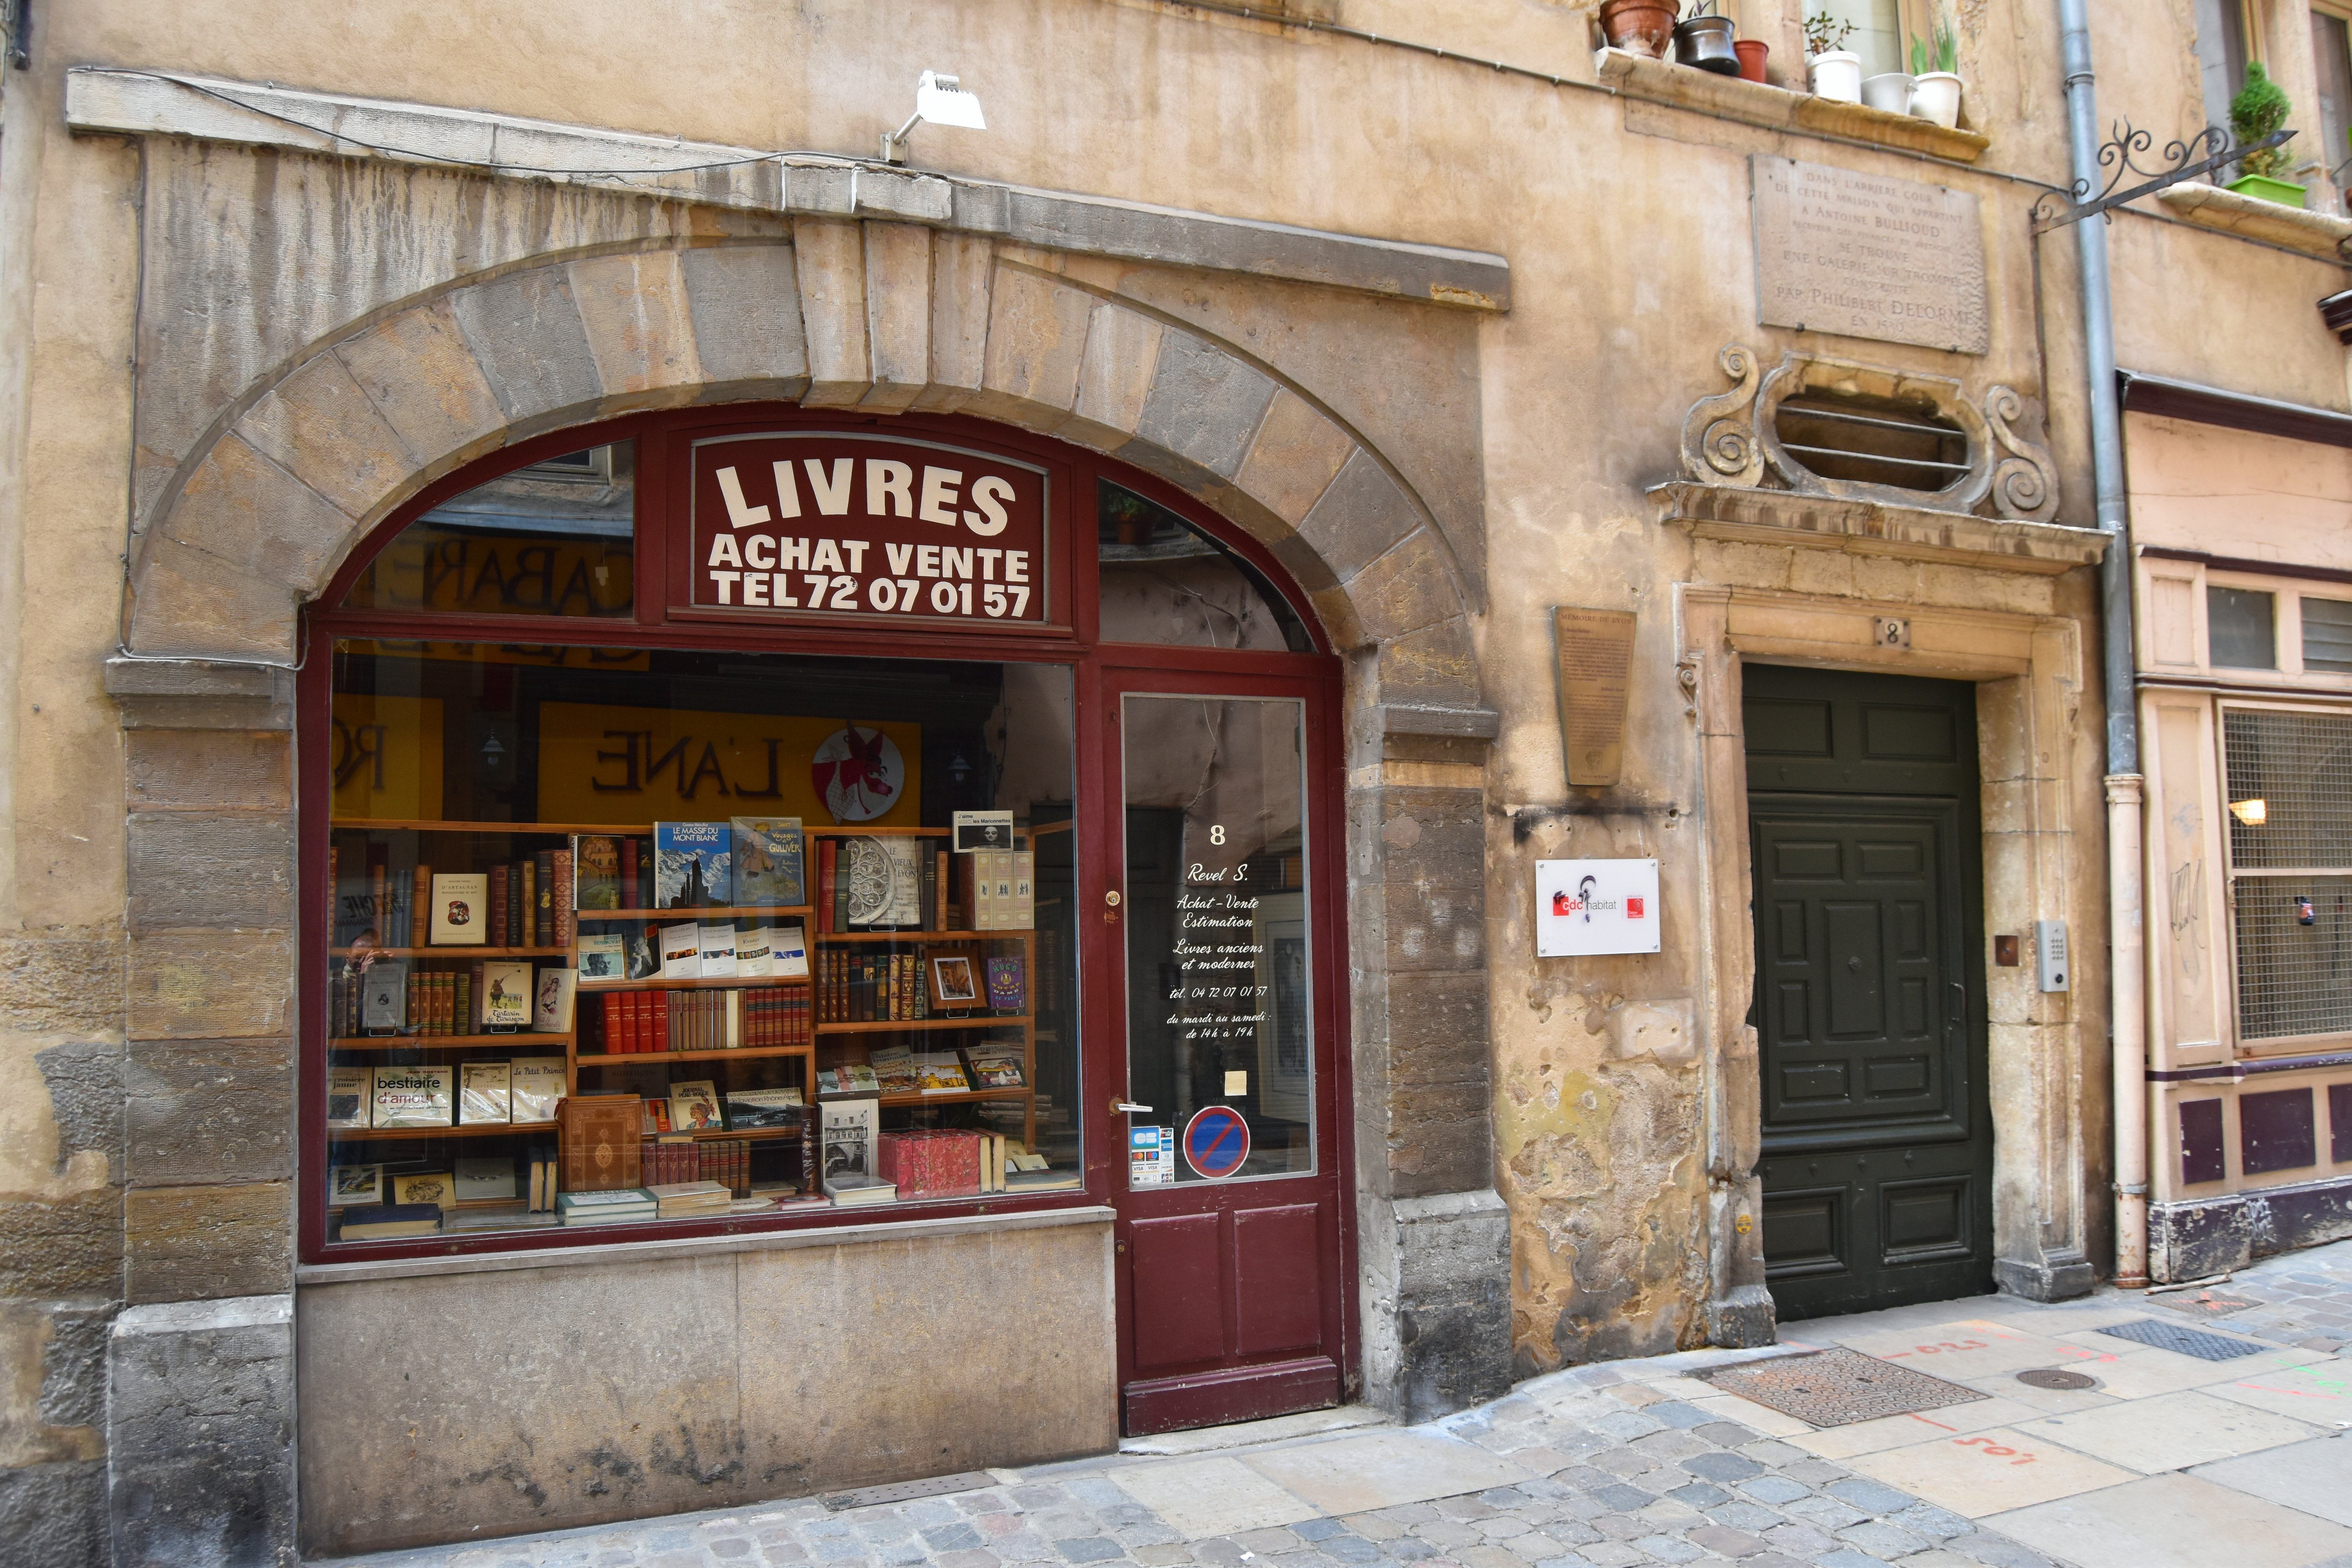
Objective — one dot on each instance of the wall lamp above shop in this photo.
(941, 101)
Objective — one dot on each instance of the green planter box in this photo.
(2286, 193)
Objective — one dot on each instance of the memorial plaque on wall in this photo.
(1867, 256)
(818, 524)
(1594, 650)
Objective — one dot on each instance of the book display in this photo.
(609, 1023)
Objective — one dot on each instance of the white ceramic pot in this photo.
(1890, 92)
(1837, 76)
(1937, 97)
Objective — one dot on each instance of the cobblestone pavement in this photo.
(2167, 1461)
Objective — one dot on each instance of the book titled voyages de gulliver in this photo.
(767, 852)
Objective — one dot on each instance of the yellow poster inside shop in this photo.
(539, 656)
(387, 754)
(658, 765)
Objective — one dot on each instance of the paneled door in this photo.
(1230, 1238)
(1869, 1006)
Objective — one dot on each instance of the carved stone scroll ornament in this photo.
(2025, 481)
(1719, 446)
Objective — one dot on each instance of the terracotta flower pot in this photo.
(1639, 26)
(1751, 52)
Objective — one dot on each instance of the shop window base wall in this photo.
(2213, 1236)
(514, 1396)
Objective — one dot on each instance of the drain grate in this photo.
(2055, 1377)
(2183, 1340)
(1838, 1387)
(908, 1491)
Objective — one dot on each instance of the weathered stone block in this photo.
(62, 985)
(190, 603)
(1428, 928)
(1439, 1139)
(321, 427)
(1437, 1031)
(84, 1079)
(199, 694)
(1434, 837)
(1296, 455)
(1359, 517)
(210, 984)
(193, 868)
(640, 328)
(417, 370)
(1205, 405)
(830, 265)
(1114, 377)
(73, 1366)
(898, 312)
(201, 1435)
(69, 1247)
(244, 510)
(209, 1112)
(1434, 666)
(1037, 340)
(192, 1244)
(526, 334)
(962, 268)
(1454, 1302)
(1406, 589)
(53, 1515)
(209, 769)
(746, 303)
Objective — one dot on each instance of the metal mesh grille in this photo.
(2299, 765)
(2326, 633)
(2294, 979)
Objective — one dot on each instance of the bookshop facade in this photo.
(786, 867)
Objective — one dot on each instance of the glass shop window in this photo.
(553, 538)
(2328, 635)
(632, 937)
(1164, 581)
(2239, 625)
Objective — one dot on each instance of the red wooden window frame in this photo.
(664, 442)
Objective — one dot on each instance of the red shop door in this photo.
(1232, 1239)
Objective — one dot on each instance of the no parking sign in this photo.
(1216, 1140)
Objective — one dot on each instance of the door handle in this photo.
(1129, 1108)
(1960, 1004)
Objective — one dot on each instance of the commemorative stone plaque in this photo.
(1866, 256)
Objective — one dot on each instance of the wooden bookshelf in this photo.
(433, 825)
(968, 1094)
(455, 951)
(431, 1042)
(735, 1053)
(926, 1024)
(910, 936)
(463, 1130)
(724, 983)
(697, 912)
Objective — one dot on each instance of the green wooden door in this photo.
(1869, 1007)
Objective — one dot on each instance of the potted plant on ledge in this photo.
(2259, 110)
(1835, 71)
(1936, 80)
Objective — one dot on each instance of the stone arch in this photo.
(874, 316)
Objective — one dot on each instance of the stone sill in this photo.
(1777, 108)
(1873, 528)
(2296, 228)
(589, 1254)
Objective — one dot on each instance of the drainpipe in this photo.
(2127, 978)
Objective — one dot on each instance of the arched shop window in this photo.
(707, 816)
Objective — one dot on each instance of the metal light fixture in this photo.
(940, 99)
(2252, 813)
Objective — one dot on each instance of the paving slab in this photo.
(2175, 1521)
(2314, 1475)
(2319, 1393)
(1989, 1472)
(1382, 1469)
(2171, 1432)
(1218, 1496)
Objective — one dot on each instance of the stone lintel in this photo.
(1462, 723)
(1873, 528)
(1777, 108)
(199, 694)
(117, 101)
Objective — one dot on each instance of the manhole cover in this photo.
(2053, 1377)
(2185, 1341)
(2203, 1303)
(908, 1491)
(1838, 1387)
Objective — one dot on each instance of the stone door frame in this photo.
(2029, 675)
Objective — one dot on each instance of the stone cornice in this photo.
(107, 100)
(1874, 528)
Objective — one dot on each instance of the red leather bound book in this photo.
(661, 1022)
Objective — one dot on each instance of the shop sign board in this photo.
(834, 526)
(1587, 907)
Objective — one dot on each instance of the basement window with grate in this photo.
(2290, 821)
(1873, 440)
